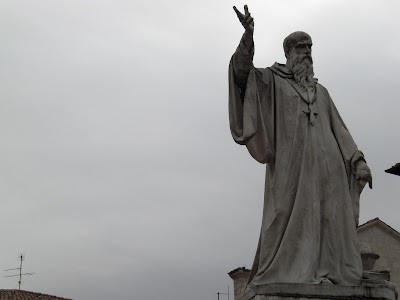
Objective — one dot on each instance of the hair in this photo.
(292, 39)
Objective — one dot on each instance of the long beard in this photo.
(303, 71)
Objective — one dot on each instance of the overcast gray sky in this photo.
(119, 178)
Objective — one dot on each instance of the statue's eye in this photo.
(303, 46)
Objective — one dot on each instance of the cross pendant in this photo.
(311, 112)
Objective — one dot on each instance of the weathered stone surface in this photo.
(240, 276)
(385, 241)
(314, 170)
(290, 291)
(375, 237)
(368, 257)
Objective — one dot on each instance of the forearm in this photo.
(242, 59)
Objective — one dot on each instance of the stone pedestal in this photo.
(295, 291)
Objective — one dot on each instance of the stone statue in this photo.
(314, 170)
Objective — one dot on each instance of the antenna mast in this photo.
(20, 271)
(219, 293)
(21, 257)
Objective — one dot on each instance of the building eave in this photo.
(379, 223)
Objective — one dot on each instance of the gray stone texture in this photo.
(385, 241)
(314, 170)
(374, 236)
(290, 291)
(286, 291)
(240, 277)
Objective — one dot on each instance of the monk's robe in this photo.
(311, 202)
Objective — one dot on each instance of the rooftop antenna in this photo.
(219, 293)
(21, 257)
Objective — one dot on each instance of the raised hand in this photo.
(246, 19)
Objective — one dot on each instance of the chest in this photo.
(299, 105)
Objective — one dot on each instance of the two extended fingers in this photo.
(244, 18)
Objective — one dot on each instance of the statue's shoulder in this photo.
(280, 70)
(265, 74)
(322, 88)
(276, 70)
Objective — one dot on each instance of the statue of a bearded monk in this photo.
(314, 170)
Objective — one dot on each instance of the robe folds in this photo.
(308, 233)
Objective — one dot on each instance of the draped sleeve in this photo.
(350, 153)
(252, 108)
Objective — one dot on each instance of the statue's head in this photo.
(299, 41)
(297, 47)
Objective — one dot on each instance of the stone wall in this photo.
(387, 246)
(240, 277)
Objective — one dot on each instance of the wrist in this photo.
(249, 31)
(248, 40)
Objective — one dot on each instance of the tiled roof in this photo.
(26, 295)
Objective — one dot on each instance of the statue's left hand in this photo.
(363, 173)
